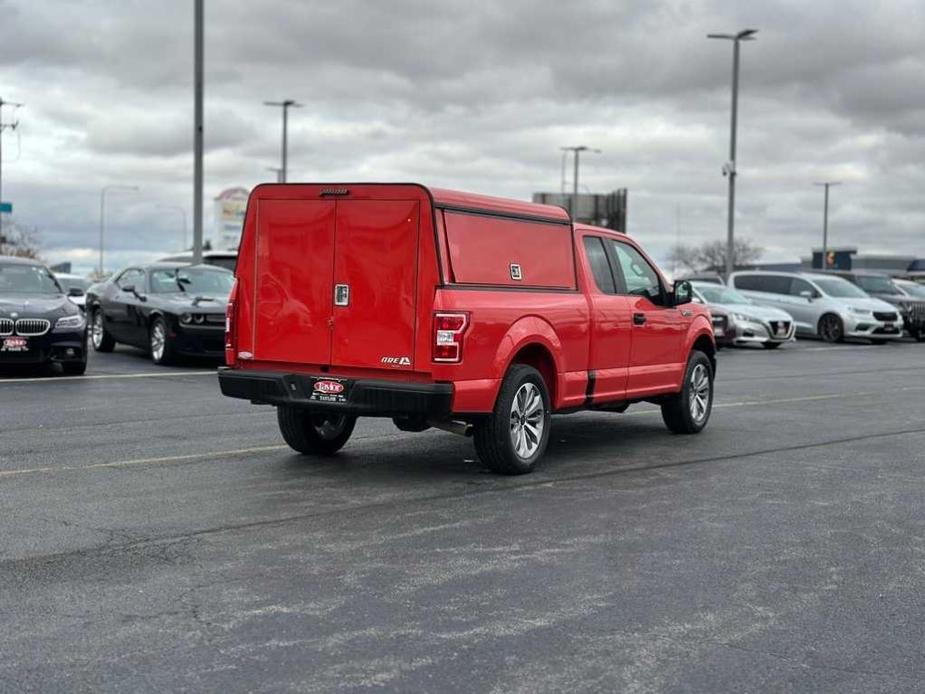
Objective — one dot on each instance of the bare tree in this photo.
(19, 241)
(711, 256)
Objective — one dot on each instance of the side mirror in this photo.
(682, 293)
(806, 294)
(130, 288)
(75, 292)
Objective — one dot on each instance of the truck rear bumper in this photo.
(361, 397)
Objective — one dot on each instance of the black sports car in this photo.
(38, 323)
(169, 309)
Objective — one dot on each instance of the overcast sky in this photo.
(477, 96)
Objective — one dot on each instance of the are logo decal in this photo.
(328, 387)
(396, 361)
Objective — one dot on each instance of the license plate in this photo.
(781, 329)
(328, 390)
(718, 332)
(15, 344)
(888, 326)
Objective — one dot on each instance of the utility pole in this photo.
(198, 79)
(278, 172)
(730, 167)
(286, 105)
(825, 221)
(573, 205)
(5, 126)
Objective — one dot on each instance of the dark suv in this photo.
(881, 286)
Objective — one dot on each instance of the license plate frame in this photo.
(328, 392)
(14, 344)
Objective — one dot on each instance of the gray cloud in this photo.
(477, 95)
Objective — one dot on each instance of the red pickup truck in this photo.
(479, 315)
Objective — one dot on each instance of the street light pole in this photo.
(286, 105)
(4, 126)
(103, 192)
(825, 221)
(577, 151)
(730, 168)
(198, 84)
(183, 214)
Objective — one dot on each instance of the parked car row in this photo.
(770, 308)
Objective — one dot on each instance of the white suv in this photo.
(822, 305)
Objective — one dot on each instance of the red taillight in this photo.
(448, 335)
(231, 327)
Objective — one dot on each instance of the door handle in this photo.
(639, 319)
(341, 294)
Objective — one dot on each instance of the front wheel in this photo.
(689, 411)
(100, 338)
(314, 433)
(831, 328)
(162, 351)
(513, 438)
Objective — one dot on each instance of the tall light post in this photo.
(286, 105)
(103, 191)
(198, 86)
(182, 214)
(825, 220)
(278, 172)
(730, 168)
(577, 152)
(4, 126)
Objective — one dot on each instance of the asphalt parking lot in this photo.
(159, 537)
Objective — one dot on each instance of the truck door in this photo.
(611, 327)
(374, 281)
(294, 279)
(658, 331)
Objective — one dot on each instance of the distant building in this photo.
(848, 258)
(230, 206)
(600, 209)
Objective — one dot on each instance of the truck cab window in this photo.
(639, 278)
(600, 266)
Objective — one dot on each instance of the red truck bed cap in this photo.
(455, 199)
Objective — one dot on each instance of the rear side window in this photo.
(600, 266)
(773, 284)
(488, 250)
(798, 286)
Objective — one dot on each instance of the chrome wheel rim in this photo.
(528, 418)
(158, 341)
(96, 332)
(699, 393)
(329, 427)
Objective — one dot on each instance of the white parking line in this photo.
(102, 377)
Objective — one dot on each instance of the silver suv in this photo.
(822, 305)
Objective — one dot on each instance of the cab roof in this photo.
(454, 199)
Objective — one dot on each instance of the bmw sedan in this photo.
(746, 321)
(170, 310)
(39, 325)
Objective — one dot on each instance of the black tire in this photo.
(314, 433)
(74, 368)
(771, 345)
(495, 435)
(831, 329)
(919, 336)
(160, 344)
(100, 338)
(682, 413)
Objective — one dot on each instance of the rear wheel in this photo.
(314, 433)
(513, 438)
(689, 411)
(831, 328)
(100, 338)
